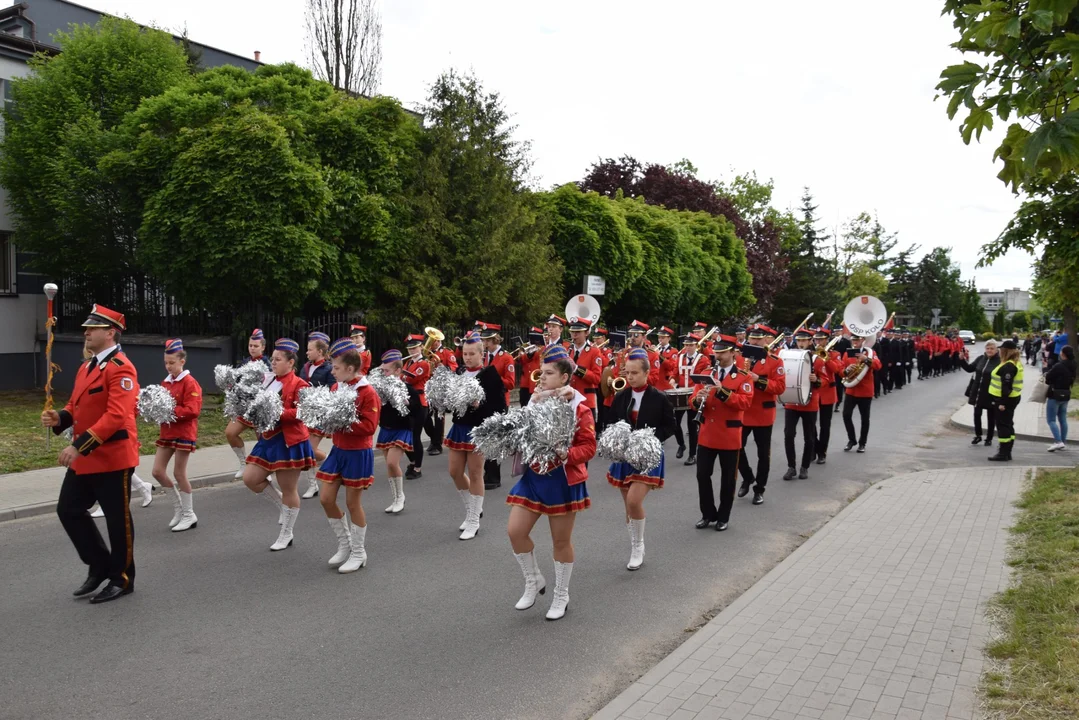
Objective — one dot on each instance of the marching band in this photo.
(728, 388)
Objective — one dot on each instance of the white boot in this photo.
(534, 582)
(465, 498)
(399, 497)
(358, 558)
(272, 479)
(344, 540)
(272, 495)
(560, 602)
(98, 512)
(241, 456)
(393, 492)
(142, 488)
(177, 506)
(636, 547)
(284, 538)
(312, 484)
(472, 520)
(188, 520)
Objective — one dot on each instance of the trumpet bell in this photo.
(434, 337)
(619, 384)
(535, 376)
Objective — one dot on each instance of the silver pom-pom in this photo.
(224, 376)
(68, 434)
(643, 450)
(501, 435)
(391, 390)
(550, 428)
(246, 383)
(449, 392)
(611, 443)
(328, 411)
(156, 405)
(265, 410)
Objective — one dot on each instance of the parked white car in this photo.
(968, 337)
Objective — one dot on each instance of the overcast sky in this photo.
(835, 95)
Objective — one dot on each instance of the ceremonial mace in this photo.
(50, 321)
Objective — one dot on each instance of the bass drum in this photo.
(797, 364)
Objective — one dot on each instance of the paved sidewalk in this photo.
(1029, 417)
(879, 615)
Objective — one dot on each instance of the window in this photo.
(7, 265)
(8, 102)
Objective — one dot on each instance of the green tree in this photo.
(477, 242)
(1028, 55)
(813, 285)
(935, 284)
(864, 280)
(68, 111)
(971, 315)
(901, 275)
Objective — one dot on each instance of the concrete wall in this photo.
(147, 354)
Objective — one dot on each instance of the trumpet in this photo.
(458, 342)
(779, 337)
(526, 349)
(822, 352)
(601, 344)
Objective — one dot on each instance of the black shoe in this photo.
(743, 489)
(680, 453)
(434, 451)
(691, 460)
(837, 408)
(821, 458)
(111, 592)
(758, 498)
(93, 582)
(977, 439)
(850, 445)
(492, 484)
(412, 473)
(721, 526)
(989, 442)
(1000, 456)
(790, 474)
(861, 448)
(703, 523)
(803, 473)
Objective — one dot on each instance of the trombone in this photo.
(526, 349)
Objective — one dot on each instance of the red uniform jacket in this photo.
(865, 387)
(187, 393)
(101, 412)
(295, 431)
(365, 360)
(772, 382)
(815, 389)
(583, 447)
(529, 363)
(668, 367)
(416, 373)
(830, 373)
(585, 379)
(503, 363)
(448, 358)
(360, 434)
(721, 426)
(697, 364)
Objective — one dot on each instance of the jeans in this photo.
(1056, 414)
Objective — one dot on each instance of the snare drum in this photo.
(680, 397)
(798, 364)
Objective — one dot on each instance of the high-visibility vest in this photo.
(996, 386)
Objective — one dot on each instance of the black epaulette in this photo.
(118, 361)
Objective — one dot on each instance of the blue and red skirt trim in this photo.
(240, 419)
(622, 475)
(389, 438)
(354, 468)
(549, 494)
(460, 438)
(272, 454)
(318, 433)
(177, 444)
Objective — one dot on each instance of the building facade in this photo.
(26, 28)
(1007, 301)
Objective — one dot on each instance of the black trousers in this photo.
(923, 363)
(910, 372)
(112, 491)
(762, 438)
(435, 426)
(415, 458)
(692, 426)
(840, 391)
(728, 467)
(990, 421)
(808, 419)
(1006, 419)
(863, 404)
(899, 376)
(825, 432)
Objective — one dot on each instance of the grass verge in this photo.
(22, 439)
(1039, 614)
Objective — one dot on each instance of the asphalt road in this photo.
(220, 627)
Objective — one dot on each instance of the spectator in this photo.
(1060, 380)
(978, 391)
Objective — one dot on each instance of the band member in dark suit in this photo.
(642, 406)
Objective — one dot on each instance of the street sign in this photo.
(936, 312)
(594, 285)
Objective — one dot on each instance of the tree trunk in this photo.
(1069, 326)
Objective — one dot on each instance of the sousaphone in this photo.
(864, 316)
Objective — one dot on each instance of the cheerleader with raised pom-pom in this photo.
(395, 437)
(178, 439)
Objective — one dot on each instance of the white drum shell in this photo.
(797, 364)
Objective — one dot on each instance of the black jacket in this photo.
(1060, 378)
(656, 411)
(393, 420)
(495, 401)
(978, 387)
